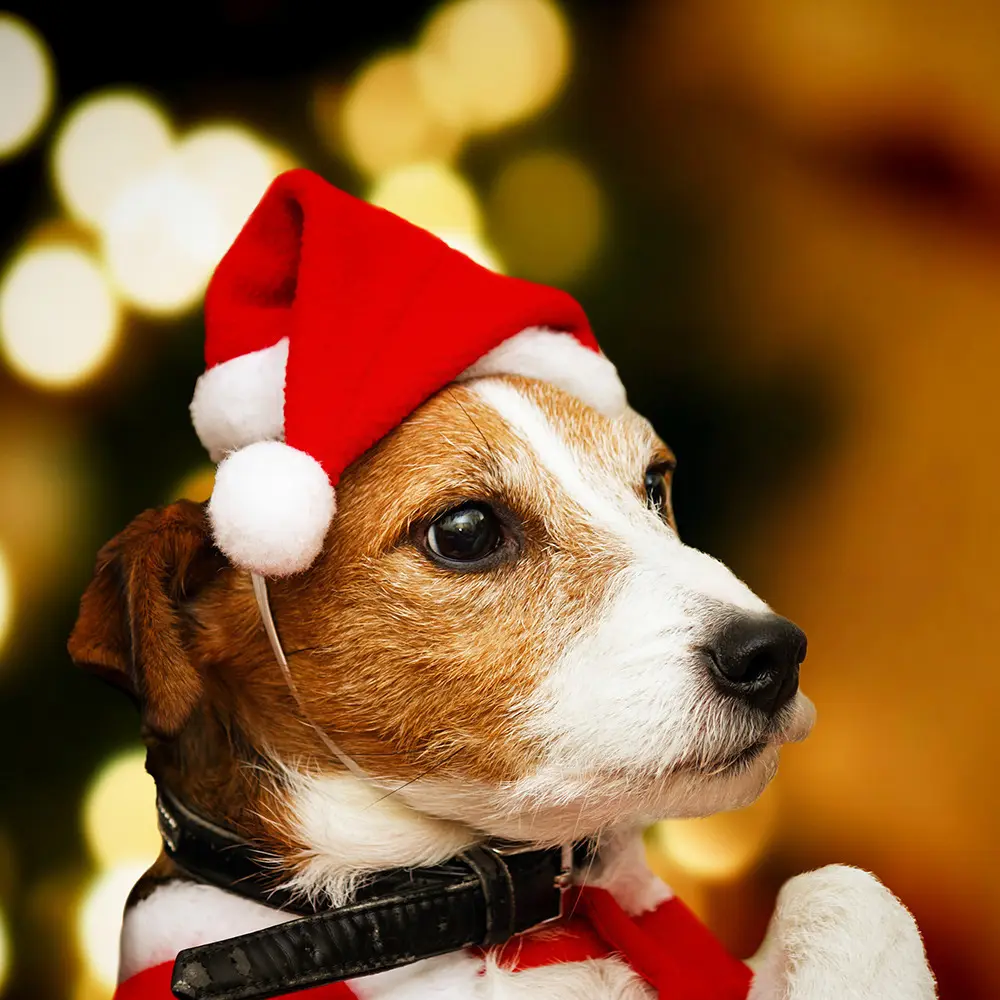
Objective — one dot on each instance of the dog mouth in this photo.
(734, 763)
(792, 725)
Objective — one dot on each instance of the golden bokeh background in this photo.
(784, 221)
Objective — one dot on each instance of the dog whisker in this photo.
(418, 777)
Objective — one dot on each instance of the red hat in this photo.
(327, 323)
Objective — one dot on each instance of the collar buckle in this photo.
(525, 888)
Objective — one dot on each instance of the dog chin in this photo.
(580, 807)
(555, 805)
(735, 786)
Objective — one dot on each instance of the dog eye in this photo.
(465, 534)
(657, 491)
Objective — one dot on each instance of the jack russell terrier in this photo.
(406, 736)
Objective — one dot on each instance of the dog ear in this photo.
(132, 629)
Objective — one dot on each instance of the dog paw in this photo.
(839, 934)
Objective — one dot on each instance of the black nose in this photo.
(757, 657)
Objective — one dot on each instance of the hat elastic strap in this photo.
(264, 605)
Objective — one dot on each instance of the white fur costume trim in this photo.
(271, 507)
(181, 915)
(241, 401)
(559, 359)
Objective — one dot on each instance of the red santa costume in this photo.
(667, 946)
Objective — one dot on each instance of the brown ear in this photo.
(131, 628)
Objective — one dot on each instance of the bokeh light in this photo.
(119, 812)
(437, 198)
(197, 485)
(26, 84)
(234, 167)
(167, 229)
(108, 140)
(6, 598)
(160, 238)
(87, 987)
(431, 195)
(547, 216)
(59, 320)
(473, 246)
(99, 920)
(483, 64)
(48, 475)
(4, 950)
(384, 120)
(717, 848)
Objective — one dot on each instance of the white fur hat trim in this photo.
(241, 401)
(271, 508)
(559, 359)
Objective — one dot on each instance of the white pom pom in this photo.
(271, 508)
(241, 401)
(561, 360)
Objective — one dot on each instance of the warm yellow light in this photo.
(233, 167)
(99, 921)
(435, 197)
(718, 848)
(486, 63)
(59, 320)
(385, 121)
(6, 598)
(196, 485)
(431, 195)
(4, 951)
(26, 80)
(472, 245)
(167, 229)
(47, 476)
(119, 812)
(281, 159)
(88, 988)
(547, 216)
(161, 240)
(106, 142)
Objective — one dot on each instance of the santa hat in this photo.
(327, 323)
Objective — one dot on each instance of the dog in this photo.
(503, 640)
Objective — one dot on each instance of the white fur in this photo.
(559, 359)
(180, 915)
(622, 870)
(596, 979)
(839, 934)
(241, 401)
(625, 715)
(271, 508)
(354, 828)
(458, 974)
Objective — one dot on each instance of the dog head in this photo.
(504, 631)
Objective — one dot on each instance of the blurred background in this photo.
(784, 221)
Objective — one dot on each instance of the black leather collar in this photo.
(482, 896)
